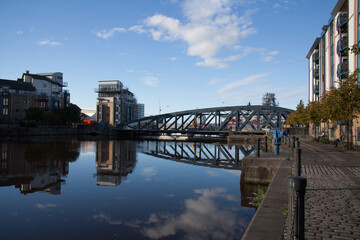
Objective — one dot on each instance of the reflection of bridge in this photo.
(219, 119)
(202, 154)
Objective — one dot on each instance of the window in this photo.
(44, 85)
(358, 133)
(43, 104)
(332, 53)
(5, 101)
(5, 111)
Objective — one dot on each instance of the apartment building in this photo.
(141, 110)
(330, 63)
(42, 90)
(115, 104)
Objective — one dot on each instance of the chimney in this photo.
(27, 71)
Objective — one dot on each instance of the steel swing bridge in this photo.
(210, 120)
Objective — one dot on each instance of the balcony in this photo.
(316, 72)
(107, 90)
(342, 45)
(316, 89)
(342, 69)
(64, 84)
(315, 57)
(341, 22)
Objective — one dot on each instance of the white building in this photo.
(49, 86)
(329, 63)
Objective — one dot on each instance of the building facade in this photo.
(42, 90)
(141, 110)
(330, 62)
(115, 104)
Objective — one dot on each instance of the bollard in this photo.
(258, 148)
(296, 212)
(297, 143)
(266, 146)
(297, 161)
(289, 141)
(293, 143)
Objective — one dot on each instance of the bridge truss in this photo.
(201, 154)
(236, 118)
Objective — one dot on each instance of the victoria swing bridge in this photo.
(210, 121)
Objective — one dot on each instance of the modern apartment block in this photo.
(330, 63)
(115, 104)
(141, 110)
(41, 90)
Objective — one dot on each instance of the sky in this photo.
(173, 55)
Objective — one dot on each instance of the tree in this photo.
(343, 104)
(298, 117)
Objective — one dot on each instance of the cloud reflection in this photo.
(203, 218)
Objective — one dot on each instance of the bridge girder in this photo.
(235, 118)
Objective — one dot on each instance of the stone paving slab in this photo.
(332, 200)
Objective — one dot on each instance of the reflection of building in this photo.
(115, 104)
(42, 90)
(330, 62)
(36, 167)
(114, 160)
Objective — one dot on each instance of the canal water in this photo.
(70, 189)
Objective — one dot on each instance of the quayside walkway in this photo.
(332, 199)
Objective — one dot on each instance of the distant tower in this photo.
(269, 100)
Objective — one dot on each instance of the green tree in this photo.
(343, 104)
(298, 117)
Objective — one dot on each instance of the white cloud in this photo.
(129, 70)
(210, 28)
(19, 32)
(214, 81)
(148, 172)
(137, 29)
(150, 80)
(49, 42)
(172, 59)
(243, 82)
(106, 34)
(268, 56)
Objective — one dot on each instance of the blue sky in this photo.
(184, 54)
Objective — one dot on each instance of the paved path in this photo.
(332, 200)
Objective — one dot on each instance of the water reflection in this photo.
(34, 167)
(202, 218)
(114, 161)
(203, 154)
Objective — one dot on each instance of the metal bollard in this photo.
(296, 212)
(297, 156)
(266, 144)
(297, 143)
(289, 140)
(258, 148)
(293, 143)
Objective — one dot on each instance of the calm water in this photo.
(122, 190)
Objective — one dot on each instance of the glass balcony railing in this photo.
(341, 21)
(342, 45)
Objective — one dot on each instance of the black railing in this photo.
(342, 45)
(341, 22)
(342, 69)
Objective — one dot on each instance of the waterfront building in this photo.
(115, 104)
(42, 90)
(141, 110)
(330, 62)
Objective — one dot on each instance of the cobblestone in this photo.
(332, 200)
